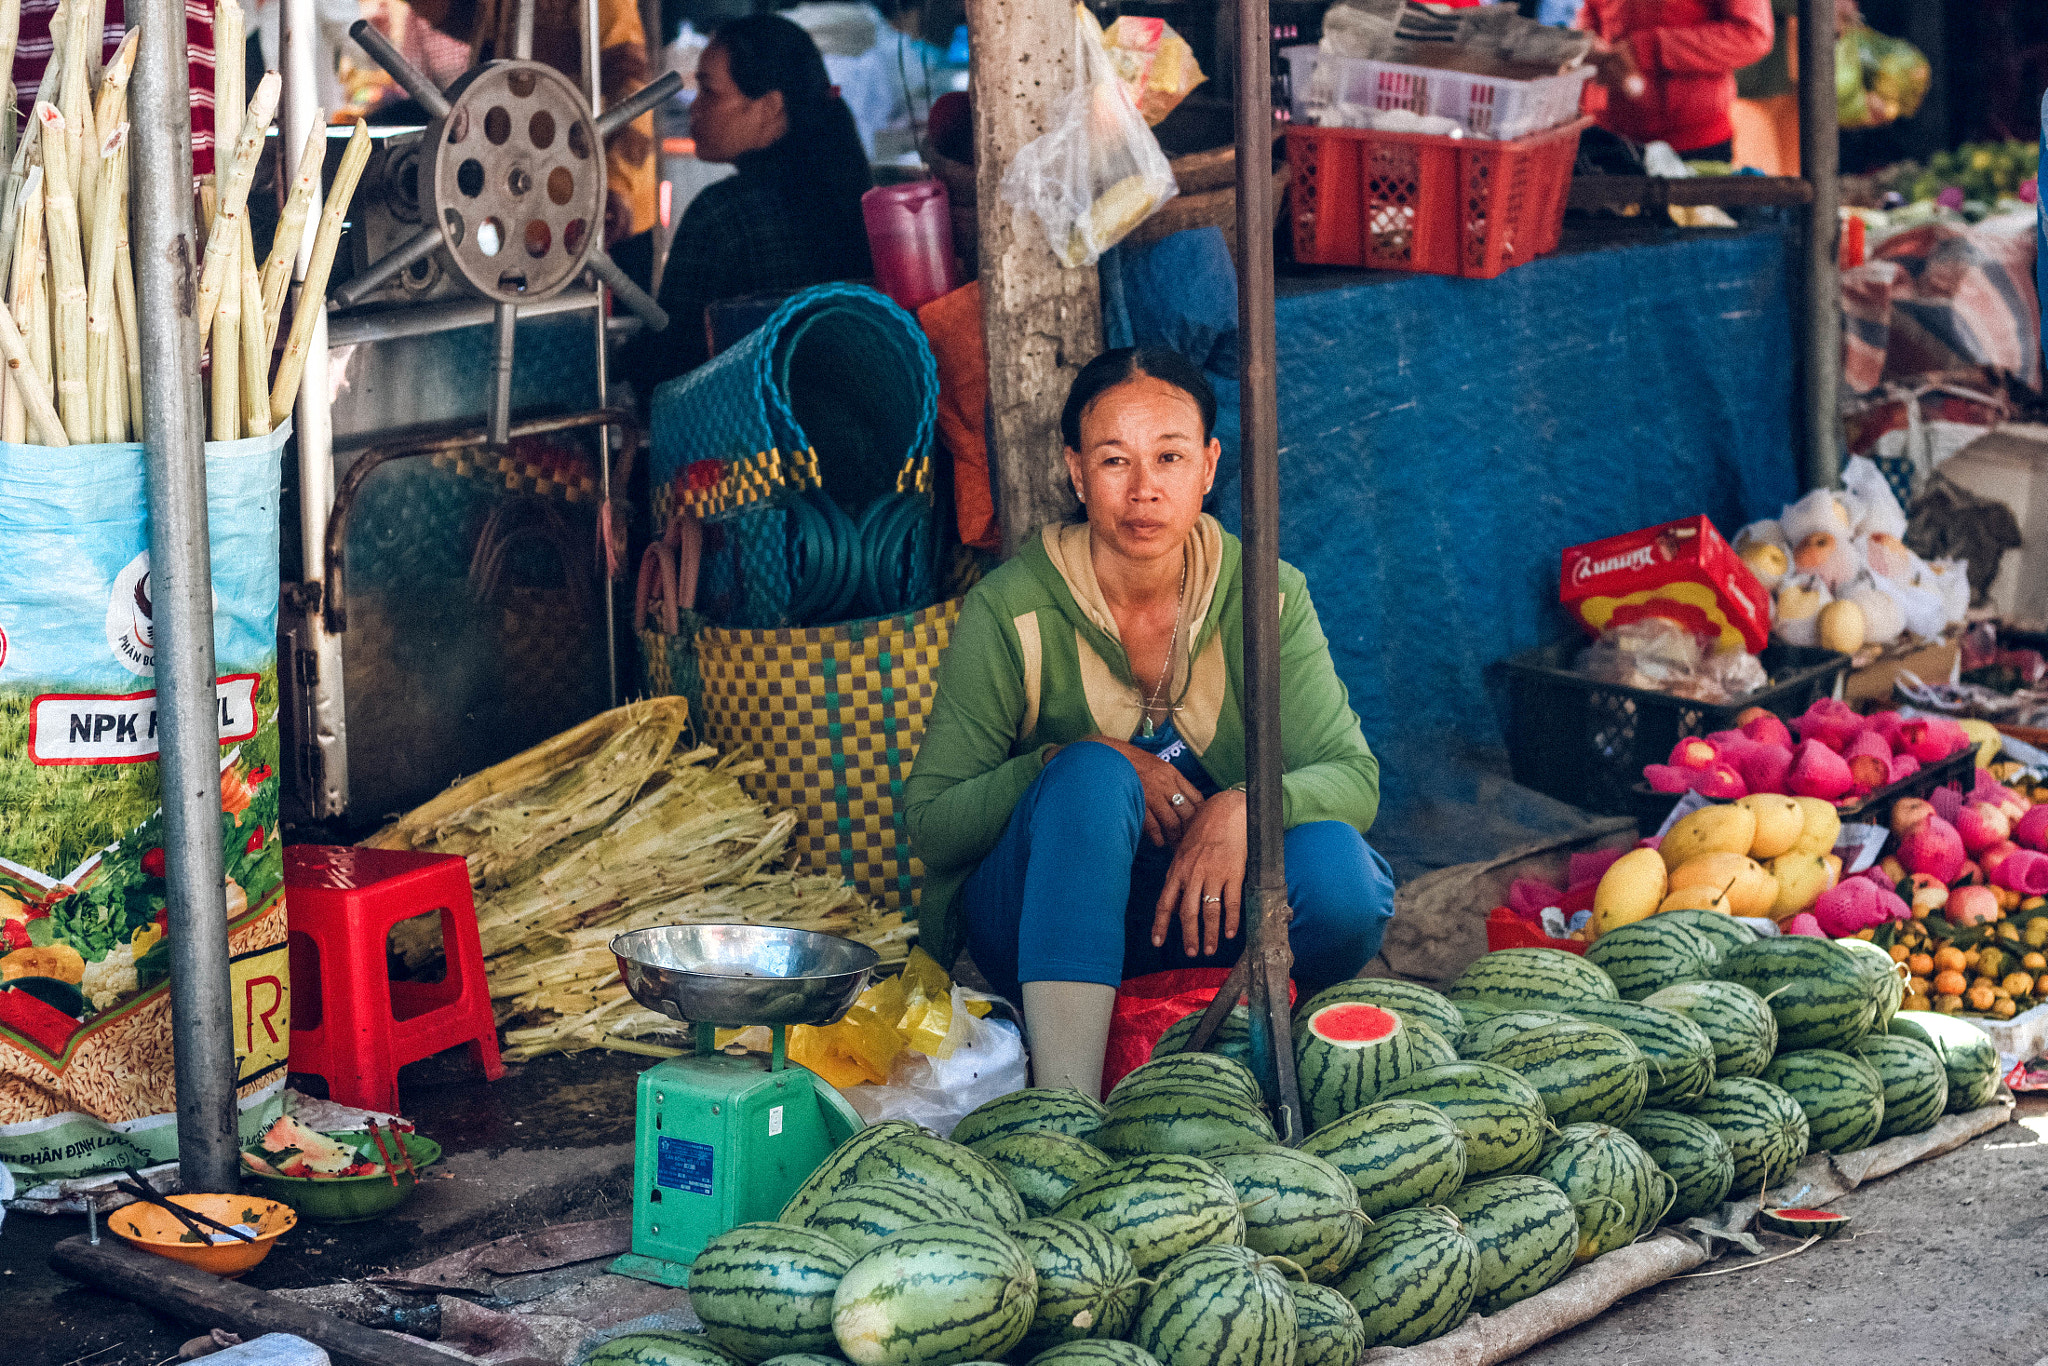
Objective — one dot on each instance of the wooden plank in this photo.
(1041, 322)
(1655, 192)
(207, 1301)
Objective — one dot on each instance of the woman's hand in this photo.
(1205, 884)
(1614, 66)
(1166, 819)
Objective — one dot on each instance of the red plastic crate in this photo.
(1434, 205)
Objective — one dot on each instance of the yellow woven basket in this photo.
(836, 713)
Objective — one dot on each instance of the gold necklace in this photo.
(1166, 673)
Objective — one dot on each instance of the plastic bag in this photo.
(985, 1059)
(1097, 172)
(1878, 79)
(1157, 66)
(1661, 655)
(1146, 1007)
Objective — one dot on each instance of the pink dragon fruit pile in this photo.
(1838, 755)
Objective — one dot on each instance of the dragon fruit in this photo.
(1832, 723)
(1870, 760)
(1767, 729)
(1819, 771)
(1930, 739)
(2024, 871)
(1904, 766)
(1695, 752)
(2032, 829)
(1719, 781)
(1766, 768)
(1934, 848)
(1803, 923)
(1982, 825)
(1848, 907)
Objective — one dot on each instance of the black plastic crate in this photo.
(1650, 807)
(1586, 742)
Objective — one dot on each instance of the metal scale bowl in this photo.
(722, 1140)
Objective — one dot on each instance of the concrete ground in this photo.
(1947, 1268)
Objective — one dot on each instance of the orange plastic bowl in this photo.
(155, 1229)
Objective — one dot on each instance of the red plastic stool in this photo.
(351, 1023)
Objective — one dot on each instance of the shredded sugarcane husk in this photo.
(223, 234)
(617, 824)
(100, 306)
(291, 367)
(291, 228)
(255, 349)
(67, 277)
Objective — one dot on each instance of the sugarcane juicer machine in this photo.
(722, 1140)
(507, 186)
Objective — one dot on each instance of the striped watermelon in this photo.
(1497, 1112)
(1725, 930)
(836, 1171)
(1533, 979)
(953, 1171)
(1095, 1352)
(1218, 1306)
(1431, 1048)
(1296, 1206)
(1653, 954)
(935, 1296)
(1679, 1053)
(1692, 1154)
(868, 1211)
(1415, 1277)
(1496, 1030)
(1345, 1054)
(1527, 1234)
(1887, 978)
(1915, 1083)
(1842, 1097)
(1818, 991)
(804, 1359)
(1412, 1001)
(1616, 1189)
(1327, 1329)
(1036, 1109)
(1764, 1128)
(1737, 1021)
(766, 1289)
(1178, 1071)
(1043, 1166)
(1475, 1014)
(1088, 1286)
(1586, 1073)
(660, 1347)
(1158, 1207)
(1233, 1037)
(1966, 1055)
(1396, 1152)
(1193, 1121)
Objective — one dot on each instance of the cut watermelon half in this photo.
(1351, 1025)
(1802, 1223)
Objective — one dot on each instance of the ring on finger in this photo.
(1208, 899)
(1178, 799)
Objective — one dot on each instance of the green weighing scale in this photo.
(722, 1140)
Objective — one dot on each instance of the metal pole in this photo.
(181, 588)
(313, 431)
(1820, 163)
(1265, 884)
(593, 62)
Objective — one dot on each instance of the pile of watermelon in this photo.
(1466, 1149)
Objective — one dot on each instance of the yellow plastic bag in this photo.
(913, 1010)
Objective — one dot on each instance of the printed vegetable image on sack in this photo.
(87, 1082)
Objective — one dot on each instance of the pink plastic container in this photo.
(910, 234)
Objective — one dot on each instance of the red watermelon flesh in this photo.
(1803, 1223)
(1354, 1026)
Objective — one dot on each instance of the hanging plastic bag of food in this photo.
(87, 1081)
(1878, 79)
(1097, 172)
(1156, 64)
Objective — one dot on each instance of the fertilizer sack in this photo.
(86, 1076)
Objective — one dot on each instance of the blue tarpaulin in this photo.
(1443, 440)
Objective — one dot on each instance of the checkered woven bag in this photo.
(835, 712)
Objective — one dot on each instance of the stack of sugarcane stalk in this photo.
(616, 825)
(70, 334)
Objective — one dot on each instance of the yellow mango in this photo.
(1801, 879)
(1709, 830)
(1822, 827)
(1748, 885)
(1779, 821)
(1629, 890)
(1700, 896)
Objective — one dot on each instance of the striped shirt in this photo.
(32, 54)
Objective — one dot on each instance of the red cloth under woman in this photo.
(1687, 52)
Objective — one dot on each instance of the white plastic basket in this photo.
(1485, 106)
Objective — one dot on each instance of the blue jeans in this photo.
(1068, 893)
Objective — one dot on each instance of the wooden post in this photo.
(1821, 283)
(1041, 322)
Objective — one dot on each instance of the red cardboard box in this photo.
(1682, 571)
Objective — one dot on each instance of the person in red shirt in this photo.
(32, 54)
(1669, 67)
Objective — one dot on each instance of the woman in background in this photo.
(1669, 67)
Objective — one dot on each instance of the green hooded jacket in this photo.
(1035, 661)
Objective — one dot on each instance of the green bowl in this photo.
(347, 1199)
